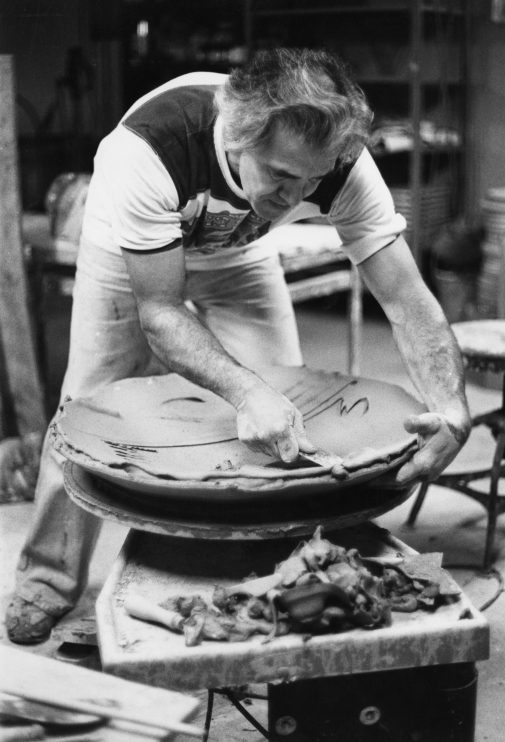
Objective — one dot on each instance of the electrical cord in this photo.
(491, 572)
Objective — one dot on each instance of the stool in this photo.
(482, 344)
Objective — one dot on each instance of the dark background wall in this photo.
(68, 82)
(487, 105)
(64, 110)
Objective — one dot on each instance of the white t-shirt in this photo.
(161, 177)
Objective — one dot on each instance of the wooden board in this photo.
(158, 566)
(34, 677)
(21, 368)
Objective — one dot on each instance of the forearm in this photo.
(423, 336)
(430, 354)
(186, 347)
(432, 358)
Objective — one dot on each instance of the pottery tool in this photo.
(147, 610)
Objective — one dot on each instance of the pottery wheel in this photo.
(164, 437)
(264, 520)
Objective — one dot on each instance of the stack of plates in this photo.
(492, 271)
(493, 214)
(435, 209)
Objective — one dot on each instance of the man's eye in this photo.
(275, 175)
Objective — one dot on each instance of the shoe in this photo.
(26, 623)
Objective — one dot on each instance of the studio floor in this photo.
(448, 522)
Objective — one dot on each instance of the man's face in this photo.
(278, 175)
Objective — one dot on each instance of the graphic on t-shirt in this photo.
(214, 230)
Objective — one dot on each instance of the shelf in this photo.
(425, 150)
(379, 40)
(392, 80)
(317, 286)
(299, 261)
(365, 8)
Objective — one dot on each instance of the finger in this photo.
(422, 467)
(287, 446)
(426, 424)
(408, 474)
(304, 444)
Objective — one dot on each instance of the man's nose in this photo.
(291, 192)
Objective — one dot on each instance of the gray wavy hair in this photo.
(307, 91)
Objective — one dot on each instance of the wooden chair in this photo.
(482, 344)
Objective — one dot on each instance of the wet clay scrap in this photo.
(320, 588)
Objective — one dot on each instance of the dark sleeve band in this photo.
(164, 248)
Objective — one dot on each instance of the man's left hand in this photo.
(439, 442)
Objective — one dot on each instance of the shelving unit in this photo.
(409, 56)
(163, 39)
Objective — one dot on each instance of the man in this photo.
(194, 173)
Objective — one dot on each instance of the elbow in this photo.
(156, 321)
(420, 308)
(150, 327)
(149, 318)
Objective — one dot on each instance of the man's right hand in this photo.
(267, 421)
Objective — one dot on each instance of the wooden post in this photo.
(501, 283)
(355, 322)
(21, 369)
(416, 104)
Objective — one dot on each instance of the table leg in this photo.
(492, 501)
(416, 507)
(493, 507)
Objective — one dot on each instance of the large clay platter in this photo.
(163, 435)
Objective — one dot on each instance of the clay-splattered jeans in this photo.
(247, 308)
